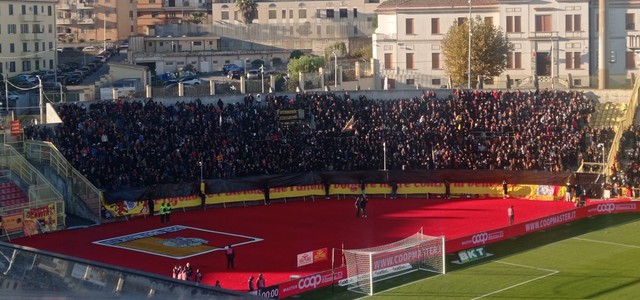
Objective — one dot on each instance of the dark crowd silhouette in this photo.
(119, 144)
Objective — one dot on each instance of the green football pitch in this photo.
(594, 258)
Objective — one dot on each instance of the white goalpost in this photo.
(417, 252)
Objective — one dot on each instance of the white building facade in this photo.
(554, 43)
(27, 36)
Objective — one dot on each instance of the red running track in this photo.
(290, 229)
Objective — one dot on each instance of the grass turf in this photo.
(593, 258)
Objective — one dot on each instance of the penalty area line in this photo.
(552, 272)
(605, 242)
(401, 286)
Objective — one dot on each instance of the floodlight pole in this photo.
(41, 99)
(469, 58)
(384, 156)
(335, 71)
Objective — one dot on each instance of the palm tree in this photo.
(249, 9)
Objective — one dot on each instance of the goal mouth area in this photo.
(417, 252)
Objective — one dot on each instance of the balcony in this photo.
(86, 21)
(63, 6)
(30, 18)
(543, 35)
(86, 5)
(386, 37)
(36, 36)
(64, 21)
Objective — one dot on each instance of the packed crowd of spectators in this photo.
(625, 172)
(136, 143)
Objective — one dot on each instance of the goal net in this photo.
(418, 252)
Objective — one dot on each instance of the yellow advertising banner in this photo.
(421, 188)
(296, 191)
(127, 208)
(250, 195)
(12, 222)
(45, 217)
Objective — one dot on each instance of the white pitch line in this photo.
(605, 242)
(553, 272)
(400, 286)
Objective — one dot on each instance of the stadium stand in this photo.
(141, 143)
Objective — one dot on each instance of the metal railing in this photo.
(47, 153)
(39, 191)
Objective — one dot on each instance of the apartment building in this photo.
(95, 21)
(150, 13)
(554, 42)
(27, 42)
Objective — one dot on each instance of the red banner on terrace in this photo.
(518, 229)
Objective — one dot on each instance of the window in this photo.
(410, 63)
(330, 13)
(49, 10)
(514, 60)
(272, 12)
(36, 46)
(24, 28)
(26, 66)
(543, 23)
(409, 26)
(436, 81)
(435, 61)
(12, 66)
(435, 25)
(12, 48)
(302, 11)
(37, 65)
(572, 22)
(24, 9)
(25, 47)
(631, 22)
(355, 13)
(35, 9)
(11, 28)
(572, 60)
(284, 14)
(631, 60)
(224, 15)
(11, 13)
(343, 13)
(388, 64)
(513, 24)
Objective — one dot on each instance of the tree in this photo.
(489, 48)
(296, 54)
(249, 9)
(304, 64)
(365, 53)
(196, 18)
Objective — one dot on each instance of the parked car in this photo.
(227, 67)
(235, 73)
(74, 78)
(190, 80)
(27, 77)
(90, 49)
(254, 74)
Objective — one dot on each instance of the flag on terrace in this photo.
(350, 124)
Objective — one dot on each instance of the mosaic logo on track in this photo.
(141, 235)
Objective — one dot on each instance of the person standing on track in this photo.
(162, 212)
(167, 212)
(231, 256)
(505, 189)
(511, 214)
(358, 207)
(363, 206)
(261, 282)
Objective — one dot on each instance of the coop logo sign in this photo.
(484, 237)
(310, 282)
(607, 208)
